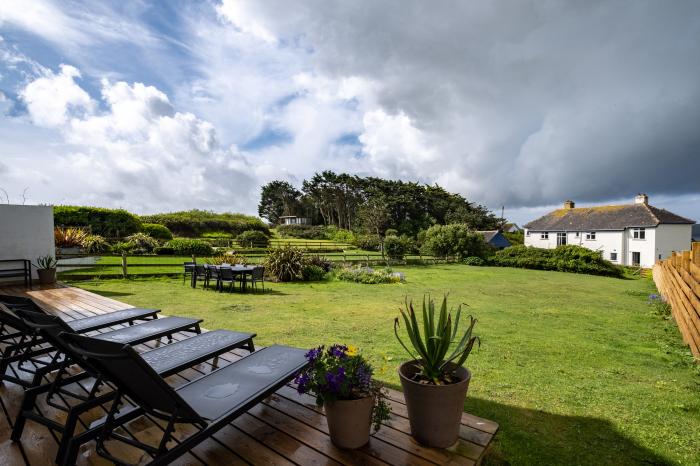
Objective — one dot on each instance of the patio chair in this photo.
(258, 275)
(188, 271)
(212, 273)
(226, 276)
(200, 273)
(165, 360)
(206, 404)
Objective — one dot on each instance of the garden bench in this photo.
(206, 404)
(25, 271)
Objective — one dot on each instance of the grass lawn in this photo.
(575, 368)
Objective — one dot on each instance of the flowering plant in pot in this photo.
(435, 381)
(341, 380)
(46, 269)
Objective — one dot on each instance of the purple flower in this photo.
(334, 381)
(313, 354)
(302, 380)
(653, 296)
(338, 351)
(364, 376)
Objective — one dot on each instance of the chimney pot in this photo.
(569, 204)
(641, 199)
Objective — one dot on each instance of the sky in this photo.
(163, 106)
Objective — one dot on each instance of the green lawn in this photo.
(575, 368)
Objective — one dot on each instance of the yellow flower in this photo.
(352, 350)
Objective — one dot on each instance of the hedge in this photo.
(98, 220)
(569, 258)
(188, 247)
(194, 223)
(157, 231)
(302, 231)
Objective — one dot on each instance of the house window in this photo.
(639, 233)
(527, 232)
(561, 239)
(613, 256)
(544, 235)
(577, 234)
(590, 235)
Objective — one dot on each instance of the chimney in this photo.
(569, 204)
(641, 199)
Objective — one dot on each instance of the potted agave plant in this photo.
(341, 380)
(435, 381)
(46, 269)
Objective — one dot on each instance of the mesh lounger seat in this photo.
(21, 345)
(165, 360)
(206, 404)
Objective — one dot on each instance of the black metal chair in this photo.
(226, 276)
(200, 273)
(258, 275)
(188, 271)
(24, 272)
(165, 360)
(206, 404)
(211, 273)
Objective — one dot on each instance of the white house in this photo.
(294, 220)
(632, 234)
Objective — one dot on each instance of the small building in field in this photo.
(636, 234)
(495, 238)
(294, 220)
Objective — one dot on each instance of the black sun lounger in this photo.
(206, 404)
(165, 360)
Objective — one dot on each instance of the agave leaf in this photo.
(457, 317)
(396, 332)
(443, 317)
(426, 323)
(468, 350)
(464, 341)
(415, 339)
(421, 348)
(445, 344)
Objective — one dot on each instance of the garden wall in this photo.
(26, 232)
(678, 280)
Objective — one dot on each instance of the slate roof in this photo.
(495, 238)
(612, 217)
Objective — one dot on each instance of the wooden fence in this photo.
(678, 280)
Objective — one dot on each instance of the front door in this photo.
(561, 239)
(636, 258)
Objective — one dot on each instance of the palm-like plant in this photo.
(433, 345)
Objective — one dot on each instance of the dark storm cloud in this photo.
(527, 103)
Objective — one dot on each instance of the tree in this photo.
(278, 198)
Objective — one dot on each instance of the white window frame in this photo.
(613, 256)
(577, 234)
(590, 236)
(639, 233)
(544, 235)
(527, 233)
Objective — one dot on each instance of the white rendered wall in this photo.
(672, 238)
(26, 232)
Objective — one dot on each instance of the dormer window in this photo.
(639, 233)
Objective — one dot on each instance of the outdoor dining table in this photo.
(237, 270)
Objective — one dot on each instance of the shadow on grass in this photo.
(112, 294)
(529, 436)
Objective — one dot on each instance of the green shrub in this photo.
(313, 273)
(319, 261)
(217, 234)
(228, 258)
(95, 244)
(396, 247)
(285, 264)
(164, 251)
(391, 232)
(454, 240)
(195, 223)
(368, 242)
(302, 231)
(123, 247)
(473, 260)
(142, 242)
(569, 258)
(368, 276)
(253, 239)
(339, 235)
(69, 237)
(106, 222)
(188, 247)
(157, 231)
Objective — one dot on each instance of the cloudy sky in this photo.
(156, 106)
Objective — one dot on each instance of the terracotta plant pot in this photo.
(46, 276)
(349, 421)
(434, 411)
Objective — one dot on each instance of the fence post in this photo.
(125, 271)
(685, 261)
(696, 253)
(194, 259)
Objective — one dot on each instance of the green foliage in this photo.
(253, 239)
(391, 232)
(217, 234)
(396, 247)
(164, 251)
(660, 307)
(228, 259)
(278, 198)
(142, 242)
(122, 247)
(367, 275)
(568, 258)
(101, 221)
(320, 261)
(302, 231)
(456, 239)
(285, 264)
(188, 247)
(194, 223)
(473, 260)
(95, 244)
(368, 242)
(46, 262)
(431, 348)
(157, 231)
(313, 273)
(515, 238)
(69, 237)
(339, 235)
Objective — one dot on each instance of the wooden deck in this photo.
(287, 428)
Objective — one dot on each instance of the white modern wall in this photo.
(26, 232)
(671, 238)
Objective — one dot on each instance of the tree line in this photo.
(371, 204)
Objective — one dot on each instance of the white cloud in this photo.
(241, 15)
